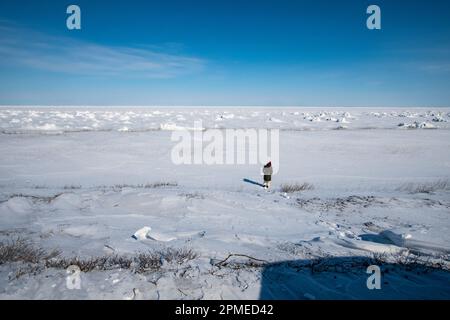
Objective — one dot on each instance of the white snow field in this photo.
(99, 186)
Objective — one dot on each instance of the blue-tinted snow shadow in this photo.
(377, 238)
(346, 278)
(253, 182)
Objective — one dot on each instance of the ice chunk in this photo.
(147, 233)
(141, 234)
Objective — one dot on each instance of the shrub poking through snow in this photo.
(21, 250)
(296, 187)
(338, 264)
(44, 199)
(141, 185)
(427, 187)
(160, 184)
(93, 263)
(245, 262)
(72, 187)
(147, 261)
(178, 256)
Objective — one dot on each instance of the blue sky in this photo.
(306, 53)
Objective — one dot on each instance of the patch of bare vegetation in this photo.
(414, 262)
(160, 184)
(299, 251)
(322, 262)
(40, 187)
(194, 195)
(178, 256)
(34, 198)
(426, 187)
(72, 187)
(141, 185)
(296, 187)
(23, 251)
(357, 264)
(354, 203)
(90, 264)
(239, 261)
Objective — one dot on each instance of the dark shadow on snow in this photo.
(253, 182)
(377, 238)
(346, 278)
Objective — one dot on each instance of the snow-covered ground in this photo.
(54, 120)
(84, 180)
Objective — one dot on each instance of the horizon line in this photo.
(205, 106)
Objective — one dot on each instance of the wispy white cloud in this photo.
(28, 48)
(435, 67)
(432, 60)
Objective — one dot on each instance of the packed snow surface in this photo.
(95, 182)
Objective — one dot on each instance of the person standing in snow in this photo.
(267, 172)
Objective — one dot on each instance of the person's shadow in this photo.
(347, 278)
(253, 182)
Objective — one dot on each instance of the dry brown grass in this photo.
(296, 187)
(426, 187)
(21, 250)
